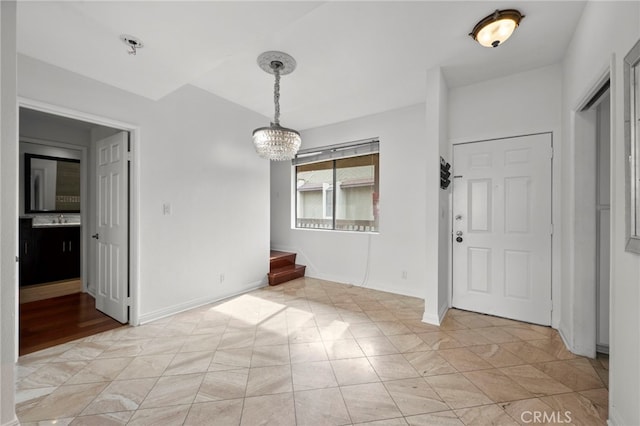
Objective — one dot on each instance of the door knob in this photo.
(458, 217)
(96, 236)
(459, 233)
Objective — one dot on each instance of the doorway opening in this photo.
(596, 119)
(60, 266)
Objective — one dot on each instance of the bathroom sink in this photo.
(54, 225)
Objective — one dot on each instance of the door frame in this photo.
(599, 227)
(583, 295)
(134, 193)
(555, 223)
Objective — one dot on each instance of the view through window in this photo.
(338, 194)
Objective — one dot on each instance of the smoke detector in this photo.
(134, 43)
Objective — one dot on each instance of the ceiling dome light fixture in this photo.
(134, 43)
(496, 28)
(276, 142)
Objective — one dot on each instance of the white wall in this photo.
(400, 245)
(195, 153)
(519, 104)
(8, 210)
(444, 218)
(589, 56)
(436, 218)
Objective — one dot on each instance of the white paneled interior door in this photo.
(502, 227)
(111, 235)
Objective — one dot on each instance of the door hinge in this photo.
(17, 258)
(129, 156)
(551, 229)
(551, 152)
(128, 300)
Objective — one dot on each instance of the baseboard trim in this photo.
(312, 272)
(435, 319)
(370, 285)
(572, 346)
(564, 337)
(443, 311)
(13, 422)
(431, 319)
(614, 417)
(195, 303)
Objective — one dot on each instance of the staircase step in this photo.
(285, 273)
(279, 259)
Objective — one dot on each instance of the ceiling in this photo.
(354, 58)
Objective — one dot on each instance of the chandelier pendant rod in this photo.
(276, 93)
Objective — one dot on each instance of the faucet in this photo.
(61, 219)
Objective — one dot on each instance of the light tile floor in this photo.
(312, 352)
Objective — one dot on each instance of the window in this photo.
(631, 71)
(337, 187)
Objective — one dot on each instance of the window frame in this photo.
(333, 153)
(327, 188)
(631, 73)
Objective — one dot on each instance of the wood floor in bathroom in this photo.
(50, 322)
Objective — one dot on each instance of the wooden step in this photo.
(279, 259)
(283, 267)
(285, 273)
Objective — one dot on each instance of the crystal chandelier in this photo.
(276, 142)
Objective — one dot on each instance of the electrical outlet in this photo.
(404, 275)
(221, 278)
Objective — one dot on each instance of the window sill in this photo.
(341, 231)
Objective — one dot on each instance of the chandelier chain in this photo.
(276, 96)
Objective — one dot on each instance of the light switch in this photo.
(166, 209)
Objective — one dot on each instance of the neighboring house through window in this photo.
(337, 187)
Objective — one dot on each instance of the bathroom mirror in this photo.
(51, 184)
(632, 146)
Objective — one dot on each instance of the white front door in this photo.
(111, 234)
(502, 227)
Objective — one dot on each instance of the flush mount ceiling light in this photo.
(496, 28)
(134, 43)
(276, 142)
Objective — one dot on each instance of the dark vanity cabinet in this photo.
(48, 253)
(59, 249)
(27, 254)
